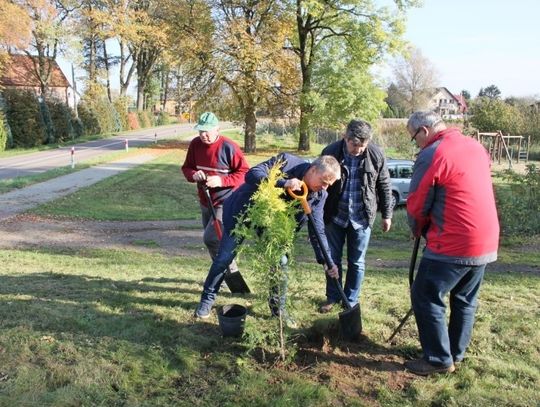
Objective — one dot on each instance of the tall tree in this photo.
(357, 23)
(48, 35)
(149, 43)
(250, 57)
(345, 88)
(491, 92)
(415, 77)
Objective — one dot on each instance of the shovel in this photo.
(234, 280)
(412, 265)
(350, 320)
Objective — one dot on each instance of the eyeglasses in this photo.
(416, 134)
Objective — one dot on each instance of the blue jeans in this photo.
(442, 345)
(223, 259)
(357, 244)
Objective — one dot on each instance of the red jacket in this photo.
(223, 158)
(451, 200)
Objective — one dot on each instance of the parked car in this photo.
(400, 177)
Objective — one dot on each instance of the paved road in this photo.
(20, 200)
(35, 163)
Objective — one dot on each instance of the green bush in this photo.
(24, 118)
(62, 119)
(518, 202)
(97, 113)
(77, 126)
(392, 135)
(163, 119)
(145, 118)
(3, 133)
(89, 120)
(121, 105)
(491, 115)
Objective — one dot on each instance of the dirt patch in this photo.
(166, 237)
(354, 369)
(174, 238)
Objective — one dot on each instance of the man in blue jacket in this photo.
(317, 176)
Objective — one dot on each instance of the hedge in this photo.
(24, 118)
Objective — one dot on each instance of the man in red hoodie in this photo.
(451, 203)
(215, 162)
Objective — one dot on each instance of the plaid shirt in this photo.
(351, 205)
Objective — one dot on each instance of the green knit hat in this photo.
(207, 121)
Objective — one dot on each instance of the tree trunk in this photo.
(306, 110)
(107, 70)
(305, 53)
(140, 96)
(250, 121)
(165, 88)
(124, 82)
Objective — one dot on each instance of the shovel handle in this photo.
(215, 221)
(307, 210)
(302, 198)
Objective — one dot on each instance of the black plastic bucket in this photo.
(232, 318)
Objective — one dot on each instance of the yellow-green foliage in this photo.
(267, 227)
(268, 224)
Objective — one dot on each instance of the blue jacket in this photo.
(292, 167)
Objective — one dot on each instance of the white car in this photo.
(400, 177)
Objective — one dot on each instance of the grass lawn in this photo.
(107, 327)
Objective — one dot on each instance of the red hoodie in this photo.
(223, 158)
(451, 200)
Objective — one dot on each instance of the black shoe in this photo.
(424, 368)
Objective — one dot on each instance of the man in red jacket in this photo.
(216, 162)
(451, 203)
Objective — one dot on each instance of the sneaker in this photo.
(203, 310)
(423, 368)
(326, 307)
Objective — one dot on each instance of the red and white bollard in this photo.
(127, 145)
(72, 157)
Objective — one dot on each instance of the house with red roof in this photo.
(448, 105)
(20, 73)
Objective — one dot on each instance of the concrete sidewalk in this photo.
(14, 202)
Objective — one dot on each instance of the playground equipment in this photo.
(510, 147)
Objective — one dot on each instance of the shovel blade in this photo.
(236, 283)
(350, 323)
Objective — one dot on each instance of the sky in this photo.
(472, 44)
(477, 43)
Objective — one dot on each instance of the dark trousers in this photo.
(442, 344)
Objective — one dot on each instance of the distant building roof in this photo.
(462, 103)
(19, 71)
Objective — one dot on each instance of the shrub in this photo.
(88, 119)
(61, 117)
(268, 229)
(163, 119)
(121, 106)
(50, 131)
(519, 200)
(133, 121)
(3, 133)
(24, 118)
(145, 119)
(392, 135)
(77, 126)
(493, 115)
(98, 114)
